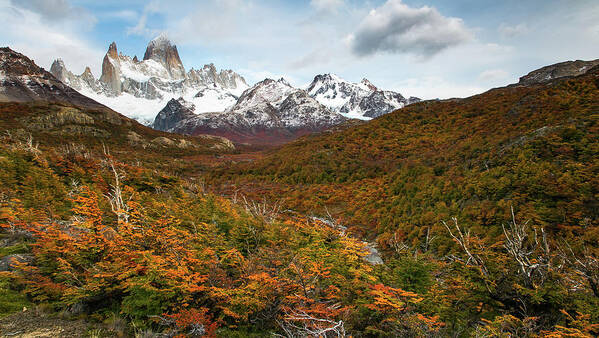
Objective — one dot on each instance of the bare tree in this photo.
(268, 213)
(428, 240)
(464, 240)
(585, 265)
(400, 246)
(300, 324)
(529, 250)
(115, 197)
(28, 145)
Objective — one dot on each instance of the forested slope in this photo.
(494, 196)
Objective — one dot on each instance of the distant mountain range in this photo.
(140, 89)
(358, 100)
(270, 112)
(218, 102)
(157, 91)
(34, 101)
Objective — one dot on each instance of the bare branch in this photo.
(300, 324)
(117, 204)
(530, 252)
(463, 238)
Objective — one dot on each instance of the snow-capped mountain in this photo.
(158, 91)
(269, 112)
(140, 89)
(21, 80)
(356, 100)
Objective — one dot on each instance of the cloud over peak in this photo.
(396, 27)
(55, 10)
(326, 5)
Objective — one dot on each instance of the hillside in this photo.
(497, 192)
(453, 151)
(106, 230)
(37, 107)
(485, 212)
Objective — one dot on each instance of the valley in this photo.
(158, 202)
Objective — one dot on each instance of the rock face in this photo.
(209, 76)
(111, 72)
(21, 80)
(381, 102)
(562, 69)
(139, 89)
(86, 79)
(162, 51)
(359, 100)
(174, 112)
(61, 111)
(270, 112)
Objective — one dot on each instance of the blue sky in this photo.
(426, 48)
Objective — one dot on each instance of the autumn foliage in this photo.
(484, 210)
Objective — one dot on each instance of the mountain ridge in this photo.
(556, 71)
(34, 101)
(270, 112)
(357, 100)
(139, 89)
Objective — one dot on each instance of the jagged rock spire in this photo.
(111, 72)
(112, 51)
(164, 52)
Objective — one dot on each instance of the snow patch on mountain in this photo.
(271, 110)
(140, 89)
(268, 91)
(361, 100)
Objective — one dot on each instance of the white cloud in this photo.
(56, 10)
(141, 28)
(327, 5)
(493, 75)
(433, 87)
(398, 28)
(29, 32)
(125, 14)
(512, 31)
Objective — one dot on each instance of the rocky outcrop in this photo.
(77, 82)
(174, 112)
(380, 102)
(111, 72)
(88, 79)
(209, 76)
(558, 70)
(165, 53)
(368, 84)
(21, 80)
(59, 70)
(413, 99)
(56, 119)
(300, 111)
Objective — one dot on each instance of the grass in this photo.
(11, 301)
(20, 248)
